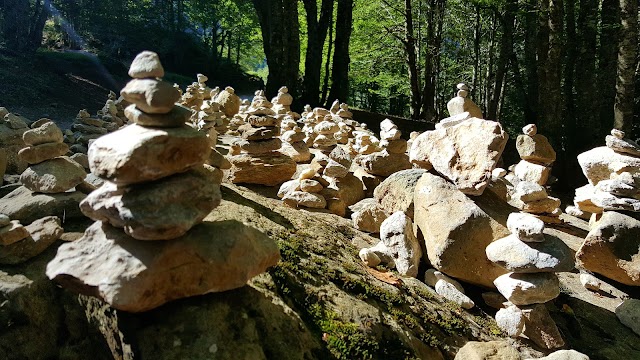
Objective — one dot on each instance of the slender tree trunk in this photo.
(15, 26)
(477, 34)
(570, 65)
(608, 61)
(340, 73)
(531, 62)
(432, 60)
(281, 43)
(627, 51)
(587, 94)
(316, 36)
(409, 43)
(327, 65)
(490, 76)
(502, 63)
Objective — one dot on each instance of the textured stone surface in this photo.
(396, 232)
(451, 293)
(146, 65)
(25, 205)
(536, 173)
(526, 227)
(510, 320)
(612, 248)
(629, 314)
(551, 255)
(137, 154)
(367, 215)
(39, 153)
(395, 193)
(53, 176)
(490, 350)
(159, 210)
(48, 132)
(43, 232)
(599, 163)
(384, 163)
(176, 117)
(457, 229)
(136, 276)
(536, 149)
(540, 328)
(266, 169)
(564, 355)
(304, 199)
(465, 154)
(13, 232)
(150, 95)
(526, 289)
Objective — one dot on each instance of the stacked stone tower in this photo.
(148, 244)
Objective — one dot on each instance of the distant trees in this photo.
(22, 23)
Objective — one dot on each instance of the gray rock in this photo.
(395, 193)
(564, 355)
(628, 312)
(451, 293)
(551, 255)
(53, 176)
(526, 289)
(159, 210)
(137, 276)
(510, 320)
(146, 65)
(396, 232)
(526, 227)
(24, 205)
(490, 350)
(44, 232)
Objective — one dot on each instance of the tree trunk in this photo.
(15, 26)
(316, 35)
(570, 66)
(281, 43)
(340, 73)
(477, 34)
(432, 60)
(607, 61)
(506, 46)
(409, 43)
(585, 81)
(327, 65)
(530, 62)
(490, 76)
(627, 50)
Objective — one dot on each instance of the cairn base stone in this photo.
(137, 276)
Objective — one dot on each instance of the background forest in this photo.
(571, 66)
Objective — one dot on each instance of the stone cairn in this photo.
(255, 157)
(156, 188)
(282, 103)
(392, 158)
(11, 129)
(613, 172)
(303, 191)
(461, 106)
(532, 259)
(526, 183)
(229, 101)
(292, 137)
(311, 119)
(20, 243)
(49, 171)
(87, 128)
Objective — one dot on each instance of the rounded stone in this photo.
(175, 118)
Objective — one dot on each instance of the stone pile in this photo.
(49, 171)
(255, 157)
(303, 192)
(20, 243)
(532, 258)
(282, 103)
(324, 139)
(87, 128)
(210, 119)
(149, 244)
(532, 198)
(398, 246)
(293, 144)
(392, 158)
(613, 172)
(342, 188)
(364, 143)
(229, 101)
(12, 127)
(537, 156)
(310, 120)
(461, 104)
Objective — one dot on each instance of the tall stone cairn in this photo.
(149, 244)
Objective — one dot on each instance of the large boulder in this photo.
(24, 205)
(465, 154)
(457, 229)
(136, 276)
(612, 248)
(629, 314)
(384, 163)
(395, 193)
(138, 154)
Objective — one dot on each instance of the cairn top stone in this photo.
(530, 129)
(202, 78)
(462, 86)
(618, 133)
(146, 65)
